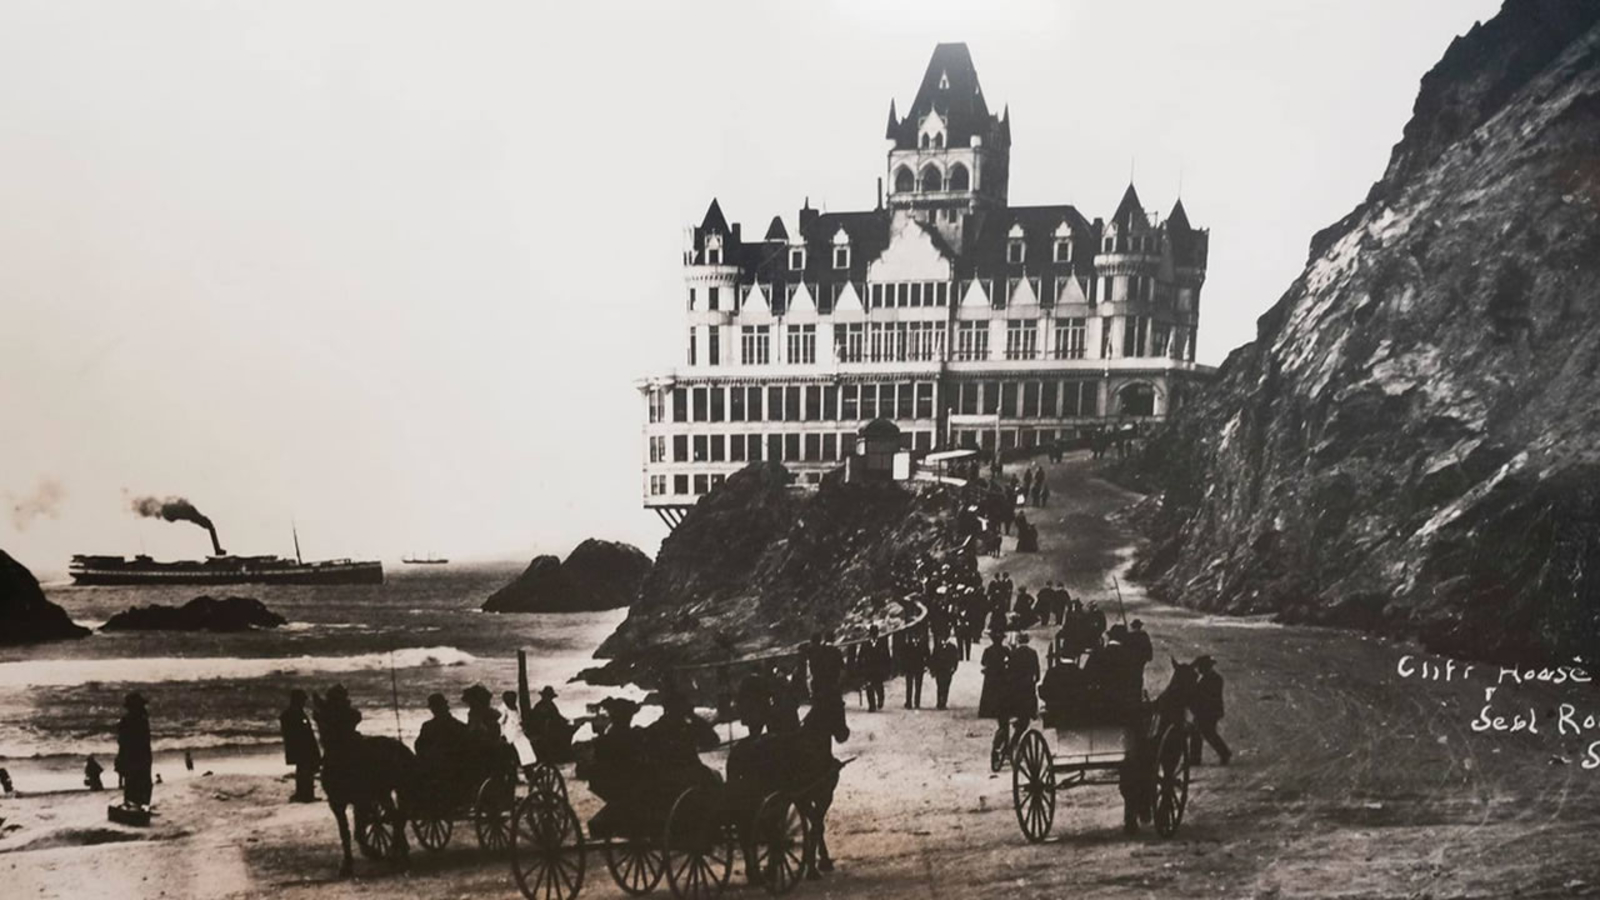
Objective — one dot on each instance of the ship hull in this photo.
(178, 573)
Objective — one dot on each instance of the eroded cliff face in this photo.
(26, 617)
(1412, 443)
(759, 566)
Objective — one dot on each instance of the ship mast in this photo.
(296, 532)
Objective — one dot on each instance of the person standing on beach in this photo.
(300, 747)
(91, 775)
(134, 758)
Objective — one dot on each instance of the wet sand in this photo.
(1348, 781)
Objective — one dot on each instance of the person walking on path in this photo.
(914, 662)
(1207, 709)
(946, 659)
(875, 668)
(992, 702)
(134, 759)
(300, 747)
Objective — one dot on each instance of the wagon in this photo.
(484, 799)
(1089, 753)
(687, 837)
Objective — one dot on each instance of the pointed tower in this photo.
(948, 155)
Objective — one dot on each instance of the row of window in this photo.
(930, 179)
(1027, 399)
(797, 403)
(743, 448)
(1048, 290)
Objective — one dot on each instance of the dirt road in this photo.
(1349, 780)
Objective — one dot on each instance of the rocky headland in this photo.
(598, 575)
(759, 565)
(1412, 442)
(26, 617)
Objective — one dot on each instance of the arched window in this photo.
(925, 142)
(1137, 400)
(938, 141)
(932, 180)
(958, 177)
(904, 181)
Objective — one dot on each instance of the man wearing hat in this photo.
(300, 747)
(617, 750)
(482, 720)
(550, 730)
(133, 752)
(442, 736)
(875, 668)
(1207, 709)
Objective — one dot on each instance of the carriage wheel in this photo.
(546, 850)
(636, 866)
(698, 846)
(547, 778)
(1033, 787)
(373, 834)
(779, 838)
(432, 833)
(1172, 780)
(491, 814)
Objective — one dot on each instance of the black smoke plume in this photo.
(176, 509)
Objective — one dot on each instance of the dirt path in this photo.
(1348, 781)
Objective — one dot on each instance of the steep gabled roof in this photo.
(776, 231)
(950, 88)
(1178, 220)
(1130, 210)
(714, 221)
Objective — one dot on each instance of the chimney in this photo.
(880, 192)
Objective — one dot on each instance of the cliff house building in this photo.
(965, 320)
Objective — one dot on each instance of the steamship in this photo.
(222, 568)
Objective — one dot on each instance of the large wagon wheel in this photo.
(546, 849)
(1033, 787)
(780, 837)
(546, 777)
(432, 831)
(491, 813)
(699, 847)
(1172, 780)
(636, 865)
(374, 835)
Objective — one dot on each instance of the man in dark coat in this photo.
(753, 700)
(300, 747)
(946, 659)
(549, 730)
(442, 744)
(875, 668)
(913, 663)
(826, 663)
(1022, 677)
(134, 758)
(1139, 641)
(1207, 709)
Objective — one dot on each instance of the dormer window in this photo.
(714, 250)
(797, 259)
(841, 257)
(1014, 252)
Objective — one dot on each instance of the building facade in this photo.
(965, 320)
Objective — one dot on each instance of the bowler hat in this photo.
(548, 692)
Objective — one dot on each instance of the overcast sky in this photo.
(391, 268)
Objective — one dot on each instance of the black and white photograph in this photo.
(851, 449)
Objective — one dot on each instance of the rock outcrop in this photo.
(200, 614)
(26, 617)
(1412, 442)
(759, 565)
(597, 575)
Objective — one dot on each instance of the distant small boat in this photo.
(429, 560)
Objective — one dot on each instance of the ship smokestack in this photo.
(177, 509)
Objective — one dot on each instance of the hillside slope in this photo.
(1412, 443)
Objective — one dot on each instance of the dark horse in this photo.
(372, 774)
(1146, 758)
(800, 764)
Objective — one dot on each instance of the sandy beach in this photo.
(1349, 780)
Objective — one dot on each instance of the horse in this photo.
(800, 763)
(1169, 710)
(368, 773)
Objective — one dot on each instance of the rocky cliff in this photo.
(1410, 444)
(758, 565)
(597, 575)
(26, 617)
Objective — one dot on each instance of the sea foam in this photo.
(73, 672)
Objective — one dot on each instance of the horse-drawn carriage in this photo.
(1106, 737)
(685, 824)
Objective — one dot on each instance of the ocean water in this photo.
(219, 695)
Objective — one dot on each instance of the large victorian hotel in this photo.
(966, 321)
